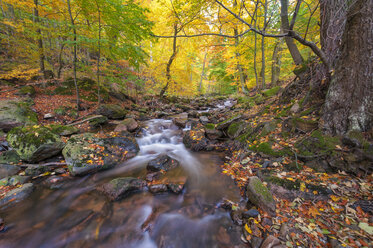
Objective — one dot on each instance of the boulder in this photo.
(28, 90)
(14, 180)
(119, 188)
(63, 130)
(158, 188)
(7, 170)
(88, 153)
(212, 133)
(195, 139)
(98, 120)
(271, 92)
(112, 111)
(16, 195)
(9, 157)
(236, 129)
(128, 124)
(225, 124)
(260, 196)
(162, 162)
(14, 114)
(48, 116)
(203, 119)
(34, 143)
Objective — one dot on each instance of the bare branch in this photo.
(299, 2)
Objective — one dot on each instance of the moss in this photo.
(62, 130)
(98, 121)
(295, 185)
(271, 92)
(307, 112)
(235, 128)
(266, 148)
(227, 121)
(358, 136)
(63, 90)
(262, 190)
(61, 110)
(9, 157)
(28, 90)
(27, 141)
(26, 113)
(317, 144)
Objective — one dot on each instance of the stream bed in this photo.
(75, 214)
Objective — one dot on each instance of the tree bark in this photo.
(263, 71)
(75, 56)
(60, 62)
(172, 58)
(202, 73)
(293, 49)
(349, 101)
(276, 62)
(99, 54)
(40, 41)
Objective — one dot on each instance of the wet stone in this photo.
(119, 188)
(158, 188)
(8, 170)
(252, 213)
(162, 162)
(17, 195)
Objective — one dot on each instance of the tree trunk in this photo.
(60, 62)
(172, 58)
(99, 54)
(202, 73)
(40, 41)
(263, 74)
(75, 56)
(349, 101)
(293, 49)
(255, 62)
(276, 62)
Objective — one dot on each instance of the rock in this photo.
(34, 143)
(14, 180)
(16, 195)
(225, 124)
(98, 121)
(176, 188)
(299, 124)
(256, 242)
(252, 213)
(128, 124)
(28, 90)
(36, 169)
(88, 153)
(236, 217)
(204, 119)
(48, 116)
(260, 196)
(295, 108)
(63, 130)
(119, 188)
(8, 170)
(162, 162)
(112, 111)
(9, 157)
(180, 122)
(193, 114)
(195, 140)
(14, 114)
(271, 92)
(236, 129)
(55, 182)
(212, 133)
(270, 242)
(158, 188)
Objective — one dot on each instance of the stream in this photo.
(75, 214)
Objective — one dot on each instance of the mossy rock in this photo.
(209, 126)
(236, 128)
(15, 113)
(112, 111)
(317, 144)
(269, 127)
(9, 157)
(28, 90)
(63, 130)
(271, 92)
(63, 90)
(98, 121)
(260, 196)
(34, 143)
(296, 185)
(211, 132)
(84, 83)
(266, 148)
(225, 124)
(88, 153)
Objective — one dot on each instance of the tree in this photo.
(349, 101)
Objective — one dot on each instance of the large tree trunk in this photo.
(349, 101)
(202, 73)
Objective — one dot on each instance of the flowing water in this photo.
(76, 215)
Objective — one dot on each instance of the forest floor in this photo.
(314, 207)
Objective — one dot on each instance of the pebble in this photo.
(253, 213)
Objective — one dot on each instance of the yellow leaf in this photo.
(302, 186)
(334, 198)
(248, 229)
